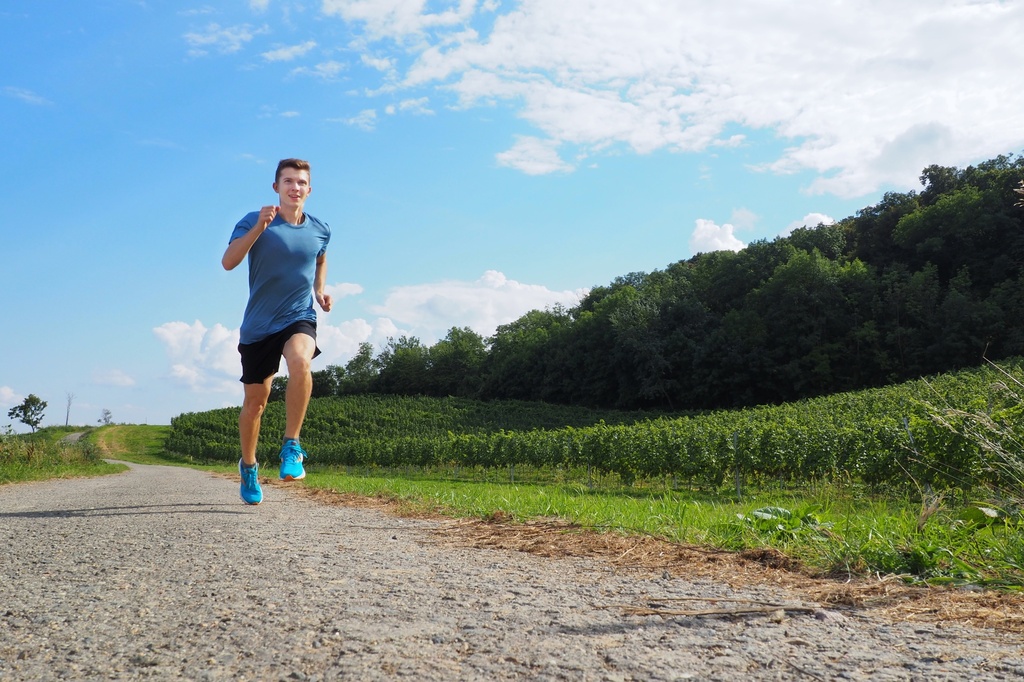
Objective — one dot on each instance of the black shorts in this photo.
(262, 359)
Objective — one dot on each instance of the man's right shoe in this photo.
(250, 490)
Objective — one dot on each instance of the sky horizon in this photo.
(475, 159)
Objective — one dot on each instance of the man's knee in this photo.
(298, 354)
(255, 399)
(252, 408)
(298, 365)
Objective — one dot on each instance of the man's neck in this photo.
(291, 214)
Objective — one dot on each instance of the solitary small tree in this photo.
(67, 416)
(30, 412)
(106, 417)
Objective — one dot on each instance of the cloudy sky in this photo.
(475, 159)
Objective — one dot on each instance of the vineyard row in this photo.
(880, 436)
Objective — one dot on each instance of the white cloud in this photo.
(224, 39)
(26, 96)
(286, 54)
(430, 310)
(201, 358)
(206, 359)
(398, 19)
(744, 219)
(379, 63)
(339, 342)
(416, 106)
(865, 94)
(707, 237)
(267, 111)
(809, 220)
(327, 71)
(9, 397)
(113, 377)
(343, 290)
(364, 120)
(534, 156)
(259, 5)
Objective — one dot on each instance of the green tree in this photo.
(360, 371)
(938, 180)
(326, 381)
(455, 362)
(278, 388)
(723, 279)
(403, 367)
(828, 239)
(520, 353)
(642, 369)
(30, 412)
(686, 325)
(870, 233)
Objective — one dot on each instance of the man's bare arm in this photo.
(239, 248)
(319, 281)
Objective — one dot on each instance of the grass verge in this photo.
(829, 530)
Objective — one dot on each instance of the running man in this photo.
(287, 252)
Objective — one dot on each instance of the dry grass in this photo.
(886, 597)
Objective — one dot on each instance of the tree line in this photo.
(922, 282)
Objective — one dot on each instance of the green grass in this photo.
(138, 444)
(142, 444)
(44, 455)
(832, 530)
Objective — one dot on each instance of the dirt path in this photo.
(162, 573)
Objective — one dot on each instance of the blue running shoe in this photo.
(250, 491)
(292, 456)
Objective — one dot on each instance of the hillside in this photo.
(918, 284)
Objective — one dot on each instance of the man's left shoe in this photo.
(292, 456)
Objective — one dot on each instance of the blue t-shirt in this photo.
(282, 265)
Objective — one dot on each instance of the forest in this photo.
(923, 282)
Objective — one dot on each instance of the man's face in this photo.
(293, 186)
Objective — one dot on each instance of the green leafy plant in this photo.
(778, 521)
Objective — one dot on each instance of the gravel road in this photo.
(162, 573)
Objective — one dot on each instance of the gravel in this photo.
(162, 573)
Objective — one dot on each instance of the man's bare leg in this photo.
(253, 404)
(298, 353)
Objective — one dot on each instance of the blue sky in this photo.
(475, 159)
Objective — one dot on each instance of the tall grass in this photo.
(46, 454)
(997, 427)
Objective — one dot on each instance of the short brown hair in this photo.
(297, 164)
